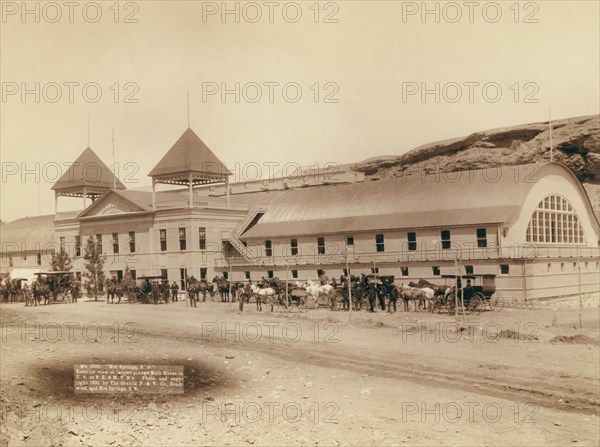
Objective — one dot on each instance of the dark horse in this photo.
(39, 290)
(223, 286)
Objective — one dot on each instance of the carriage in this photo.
(59, 284)
(297, 298)
(137, 294)
(479, 298)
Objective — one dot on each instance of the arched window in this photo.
(555, 221)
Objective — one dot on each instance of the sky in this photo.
(275, 84)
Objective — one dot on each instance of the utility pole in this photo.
(287, 276)
(349, 280)
(230, 281)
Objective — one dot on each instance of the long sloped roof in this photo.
(88, 170)
(189, 154)
(414, 201)
(30, 233)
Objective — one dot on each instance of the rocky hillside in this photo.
(576, 143)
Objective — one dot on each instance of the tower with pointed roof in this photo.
(189, 162)
(87, 177)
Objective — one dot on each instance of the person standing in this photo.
(175, 291)
(155, 292)
(192, 297)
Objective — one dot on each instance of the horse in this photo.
(39, 290)
(223, 286)
(411, 294)
(387, 288)
(315, 291)
(430, 292)
(264, 294)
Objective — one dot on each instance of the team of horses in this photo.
(42, 291)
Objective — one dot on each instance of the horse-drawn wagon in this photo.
(475, 292)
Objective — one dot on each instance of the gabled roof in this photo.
(119, 201)
(189, 154)
(90, 171)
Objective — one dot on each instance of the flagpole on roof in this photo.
(188, 108)
(551, 143)
(113, 159)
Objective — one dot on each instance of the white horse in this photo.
(316, 290)
(265, 295)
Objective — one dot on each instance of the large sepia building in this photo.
(529, 229)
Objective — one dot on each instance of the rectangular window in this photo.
(481, 237)
(468, 269)
(445, 236)
(504, 269)
(163, 239)
(412, 241)
(99, 243)
(78, 245)
(132, 242)
(345, 272)
(268, 249)
(62, 242)
(321, 245)
(115, 242)
(226, 275)
(164, 274)
(435, 271)
(182, 276)
(182, 239)
(349, 240)
(270, 273)
(562, 266)
(294, 246)
(247, 275)
(133, 274)
(295, 274)
(374, 270)
(320, 272)
(549, 267)
(379, 242)
(202, 238)
(404, 271)
(203, 272)
(38, 259)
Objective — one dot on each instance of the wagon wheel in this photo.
(477, 303)
(450, 303)
(131, 298)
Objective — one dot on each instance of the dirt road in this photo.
(509, 377)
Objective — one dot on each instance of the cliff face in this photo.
(576, 143)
